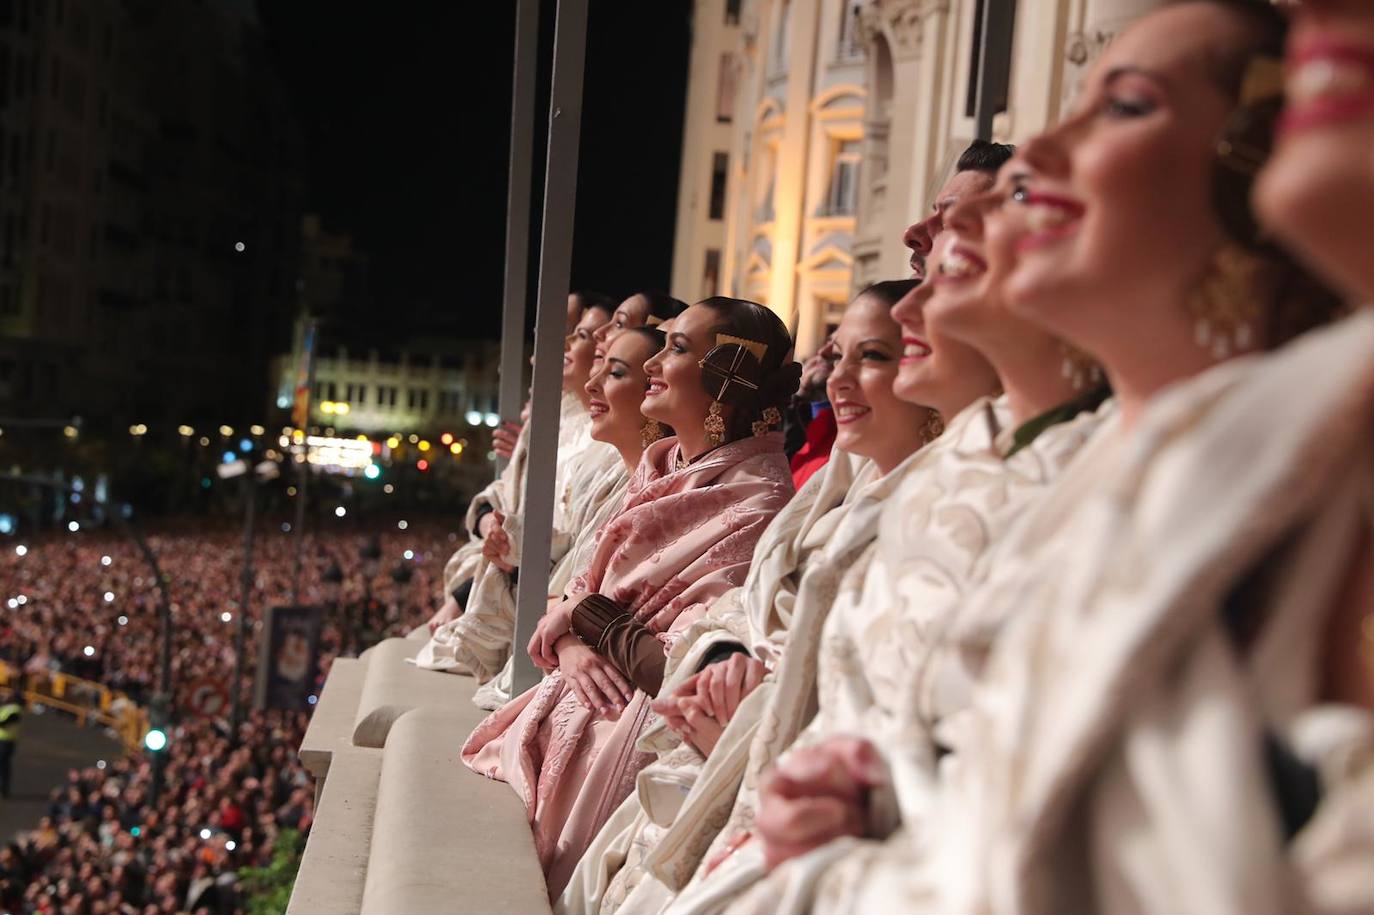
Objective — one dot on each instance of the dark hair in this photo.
(589, 299)
(984, 156)
(1246, 142)
(657, 338)
(778, 374)
(661, 305)
(889, 292)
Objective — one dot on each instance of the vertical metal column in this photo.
(994, 63)
(555, 261)
(518, 207)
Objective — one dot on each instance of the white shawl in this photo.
(886, 648)
(1112, 760)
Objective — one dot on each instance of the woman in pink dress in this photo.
(693, 513)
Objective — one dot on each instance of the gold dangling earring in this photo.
(1223, 305)
(934, 427)
(650, 432)
(715, 426)
(769, 418)
(1080, 369)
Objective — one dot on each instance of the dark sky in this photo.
(405, 110)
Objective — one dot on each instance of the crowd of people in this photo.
(1058, 600)
(89, 609)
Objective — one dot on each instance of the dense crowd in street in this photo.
(86, 604)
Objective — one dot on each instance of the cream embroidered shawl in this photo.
(506, 493)
(885, 646)
(590, 483)
(1112, 758)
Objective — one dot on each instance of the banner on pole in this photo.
(288, 658)
(305, 379)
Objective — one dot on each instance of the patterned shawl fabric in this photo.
(683, 538)
(591, 486)
(891, 623)
(1114, 757)
(758, 616)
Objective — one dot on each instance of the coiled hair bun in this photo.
(772, 376)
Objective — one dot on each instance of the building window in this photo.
(710, 273)
(417, 399)
(720, 173)
(851, 45)
(726, 88)
(732, 11)
(843, 197)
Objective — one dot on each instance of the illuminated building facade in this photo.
(817, 130)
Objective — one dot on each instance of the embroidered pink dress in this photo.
(683, 538)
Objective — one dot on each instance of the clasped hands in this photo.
(815, 795)
(699, 709)
(596, 682)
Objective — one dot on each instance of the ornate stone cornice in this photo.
(902, 22)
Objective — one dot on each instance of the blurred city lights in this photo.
(138, 429)
(12, 604)
(73, 526)
(414, 438)
(422, 465)
(402, 525)
(204, 441)
(286, 527)
(109, 597)
(230, 845)
(474, 418)
(372, 471)
(155, 740)
(69, 431)
(340, 512)
(245, 444)
(456, 448)
(21, 550)
(239, 247)
(229, 457)
(206, 833)
(105, 560)
(226, 431)
(493, 420)
(123, 620)
(256, 429)
(424, 445)
(283, 402)
(446, 438)
(100, 764)
(311, 699)
(226, 617)
(388, 489)
(186, 431)
(88, 651)
(22, 599)
(409, 554)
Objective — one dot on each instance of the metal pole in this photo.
(303, 477)
(518, 207)
(994, 63)
(555, 260)
(241, 636)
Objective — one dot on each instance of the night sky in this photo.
(405, 110)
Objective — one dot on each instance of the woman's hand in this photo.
(817, 795)
(700, 708)
(447, 612)
(724, 684)
(495, 543)
(594, 680)
(555, 624)
(504, 436)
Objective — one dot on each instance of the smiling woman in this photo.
(684, 535)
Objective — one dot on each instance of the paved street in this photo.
(51, 744)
